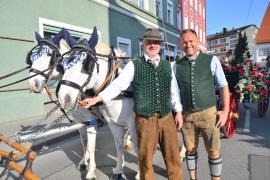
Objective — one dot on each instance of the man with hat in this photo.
(156, 93)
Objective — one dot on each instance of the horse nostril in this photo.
(37, 84)
(67, 99)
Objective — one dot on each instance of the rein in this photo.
(113, 57)
(15, 72)
(26, 78)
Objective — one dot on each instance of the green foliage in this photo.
(241, 49)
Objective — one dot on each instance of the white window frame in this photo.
(160, 10)
(179, 20)
(170, 19)
(43, 22)
(124, 41)
(145, 4)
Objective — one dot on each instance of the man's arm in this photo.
(222, 83)
(114, 89)
(176, 100)
(225, 99)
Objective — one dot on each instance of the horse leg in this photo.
(134, 139)
(127, 140)
(183, 153)
(83, 162)
(118, 133)
(90, 152)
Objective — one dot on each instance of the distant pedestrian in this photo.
(268, 61)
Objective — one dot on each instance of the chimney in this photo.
(224, 30)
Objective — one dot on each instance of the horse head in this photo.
(81, 71)
(46, 56)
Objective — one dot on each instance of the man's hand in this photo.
(91, 101)
(178, 120)
(222, 118)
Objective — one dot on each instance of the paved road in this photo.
(246, 155)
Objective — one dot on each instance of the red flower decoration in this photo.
(249, 87)
(267, 82)
(263, 92)
(260, 77)
(242, 71)
(264, 72)
(254, 73)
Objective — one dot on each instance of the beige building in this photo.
(221, 43)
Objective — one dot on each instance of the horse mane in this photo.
(64, 43)
(104, 49)
(64, 46)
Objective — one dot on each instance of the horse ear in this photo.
(94, 38)
(38, 37)
(57, 37)
(69, 39)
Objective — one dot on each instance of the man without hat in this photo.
(156, 94)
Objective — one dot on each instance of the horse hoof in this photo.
(116, 177)
(91, 179)
(128, 147)
(82, 167)
(100, 123)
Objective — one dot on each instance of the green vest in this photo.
(196, 82)
(152, 87)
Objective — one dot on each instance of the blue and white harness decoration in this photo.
(78, 56)
(37, 52)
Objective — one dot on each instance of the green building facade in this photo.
(119, 23)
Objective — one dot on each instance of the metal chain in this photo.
(17, 135)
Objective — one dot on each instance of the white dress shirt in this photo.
(125, 78)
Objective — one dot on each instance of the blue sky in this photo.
(233, 14)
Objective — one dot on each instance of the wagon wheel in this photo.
(229, 128)
(262, 107)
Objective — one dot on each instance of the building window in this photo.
(49, 28)
(191, 2)
(168, 52)
(125, 45)
(223, 49)
(264, 52)
(234, 36)
(200, 9)
(170, 12)
(233, 45)
(143, 4)
(179, 20)
(159, 12)
(222, 40)
(214, 42)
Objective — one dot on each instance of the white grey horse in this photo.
(85, 71)
(48, 54)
